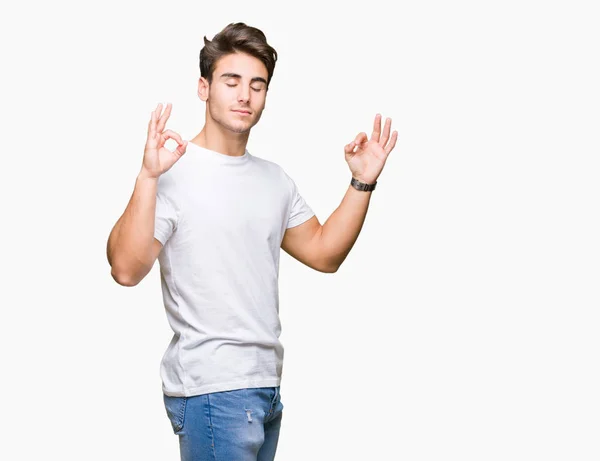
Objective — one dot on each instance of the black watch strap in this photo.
(362, 186)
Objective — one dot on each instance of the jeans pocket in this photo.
(175, 407)
(278, 403)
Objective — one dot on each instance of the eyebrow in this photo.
(252, 80)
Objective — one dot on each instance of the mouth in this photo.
(242, 112)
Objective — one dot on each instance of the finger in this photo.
(164, 117)
(386, 132)
(169, 134)
(154, 118)
(349, 148)
(181, 148)
(360, 138)
(391, 144)
(376, 128)
(152, 126)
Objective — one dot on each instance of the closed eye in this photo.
(235, 84)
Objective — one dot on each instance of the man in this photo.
(216, 217)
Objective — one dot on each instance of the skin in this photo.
(238, 83)
(322, 247)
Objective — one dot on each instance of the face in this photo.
(236, 97)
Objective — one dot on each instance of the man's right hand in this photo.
(157, 158)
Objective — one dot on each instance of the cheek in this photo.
(222, 97)
(259, 101)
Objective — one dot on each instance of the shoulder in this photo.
(169, 182)
(264, 163)
(273, 169)
(179, 171)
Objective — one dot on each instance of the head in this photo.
(236, 68)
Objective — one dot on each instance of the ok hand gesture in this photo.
(157, 158)
(367, 161)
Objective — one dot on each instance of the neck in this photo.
(214, 137)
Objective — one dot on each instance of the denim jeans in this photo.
(238, 425)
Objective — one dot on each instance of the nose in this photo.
(244, 95)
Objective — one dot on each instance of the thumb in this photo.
(349, 148)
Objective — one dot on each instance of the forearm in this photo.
(129, 247)
(341, 230)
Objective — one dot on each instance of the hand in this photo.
(157, 158)
(369, 158)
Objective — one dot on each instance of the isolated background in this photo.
(463, 325)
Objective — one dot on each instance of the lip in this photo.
(243, 112)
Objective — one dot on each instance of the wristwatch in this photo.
(362, 186)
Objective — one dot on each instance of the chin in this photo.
(239, 130)
(241, 127)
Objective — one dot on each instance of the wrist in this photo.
(361, 185)
(143, 175)
(366, 179)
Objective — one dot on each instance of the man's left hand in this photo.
(366, 157)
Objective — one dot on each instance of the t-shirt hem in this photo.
(230, 386)
(160, 237)
(300, 219)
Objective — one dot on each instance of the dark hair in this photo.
(236, 37)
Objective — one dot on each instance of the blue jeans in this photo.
(238, 425)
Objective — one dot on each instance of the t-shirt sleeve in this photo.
(299, 209)
(166, 216)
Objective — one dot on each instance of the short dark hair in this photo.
(236, 37)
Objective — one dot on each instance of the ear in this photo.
(203, 89)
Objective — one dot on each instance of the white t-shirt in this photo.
(221, 220)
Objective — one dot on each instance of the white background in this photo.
(464, 323)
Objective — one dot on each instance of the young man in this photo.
(216, 217)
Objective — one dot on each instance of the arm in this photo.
(324, 248)
(132, 249)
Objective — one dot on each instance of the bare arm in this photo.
(324, 248)
(131, 248)
(341, 230)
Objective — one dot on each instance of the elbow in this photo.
(334, 269)
(330, 263)
(123, 278)
(330, 268)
